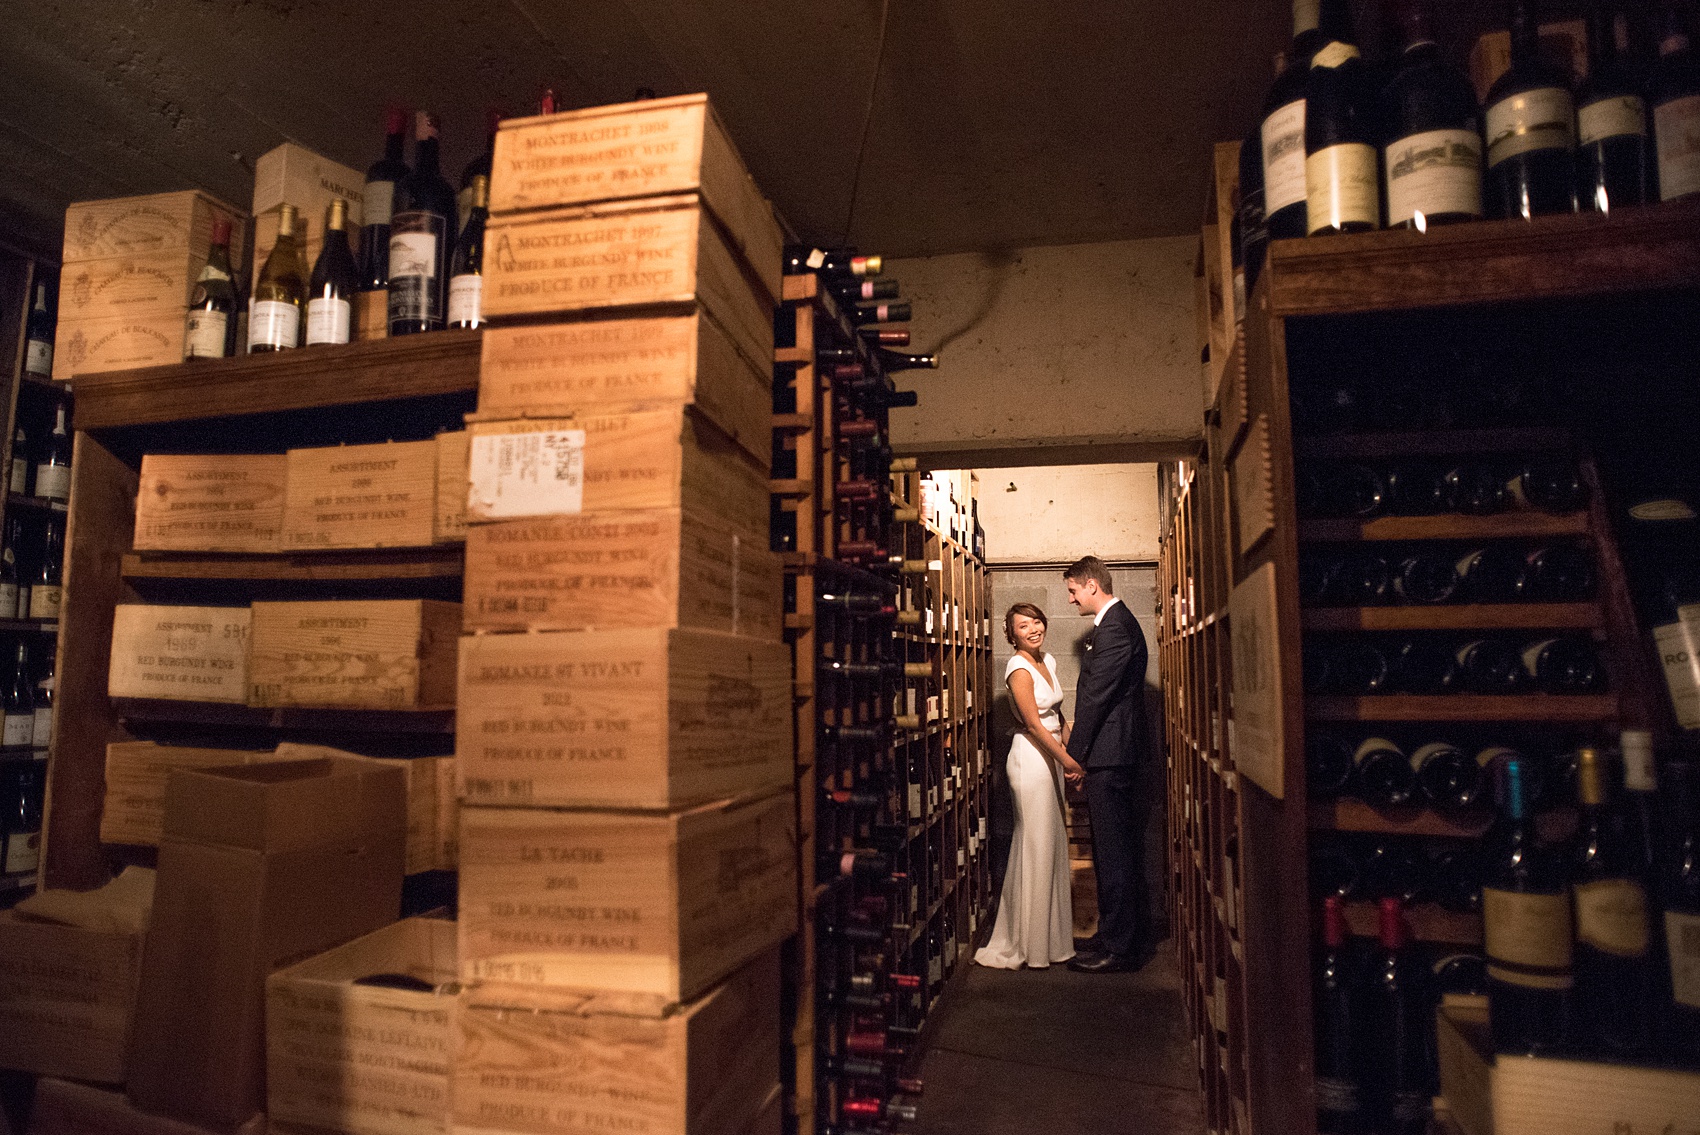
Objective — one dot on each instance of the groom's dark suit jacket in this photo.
(1109, 699)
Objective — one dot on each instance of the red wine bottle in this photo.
(1281, 131)
(330, 290)
(1447, 777)
(1531, 129)
(210, 323)
(830, 264)
(1432, 159)
(1339, 1030)
(892, 361)
(1489, 666)
(1565, 664)
(384, 179)
(1611, 119)
(855, 291)
(1328, 766)
(885, 336)
(421, 238)
(1527, 925)
(881, 313)
(1401, 1054)
(1674, 95)
(1342, 184)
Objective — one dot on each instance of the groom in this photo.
(1109, 741)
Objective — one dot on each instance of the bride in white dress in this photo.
(1035, 922)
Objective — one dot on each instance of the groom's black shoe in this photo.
(1104, 963)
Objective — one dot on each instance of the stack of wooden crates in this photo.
(624, 736)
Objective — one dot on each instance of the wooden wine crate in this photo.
(148, 225)
(179, 653)
(365, 1059)
(654, 907)
(668, 457)
(637, 149)
(559, 369)
(294, 174)
(133, 811)
(449, 526)
(534, 1064)
(659, 250)
(210, 503)
(67, 996)
(129, 286)
(1534, 1095)
(448, 815)
(89, 346)
(643, 718)
(361, 653)
(361, 496)
(630, 568)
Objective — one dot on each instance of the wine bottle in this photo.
(1328, 766)
(9, 571)
(1615, 971)
(1355, 491)
(1527, 926)
(1549, 485)
(1489, 666)
(479, 166)
(1476, 488)
(865, 604)
(1433, 157)
(1494, 574)
(859, 863)
(1423, 666)
(893, 361)
(885, 336)
(42, 734)
(1342, 185)
(1457, 876)
(38, 335)
(1641, 794)
(1679, 897)
(1446, 776)
(830, 264)
(45, 593)
(17, 725)
(1674, 95)
(274, 317)
(1565, 664)
(872, 1108)
(23, 788)
(1562, 573)
(1395, 868)
(855, 933)
(466, 277)
(1333, 870)
(1530, 125)
(384, 180)
(1611, 119)
(421, 242)
(1401, 1057)
(1428, 577)
(1416, 488)
(1281, 129)
(1383, 776)
(53, 463)
(212, 307)
(851, 799)
(18, 478)
(853, 291)
(1339, 1030)
(330, 302)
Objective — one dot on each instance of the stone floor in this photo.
(1051, 1052)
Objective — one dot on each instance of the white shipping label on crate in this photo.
(527, 474)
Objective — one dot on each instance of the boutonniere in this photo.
(1088, 646)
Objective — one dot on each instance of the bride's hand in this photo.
(1072, 772)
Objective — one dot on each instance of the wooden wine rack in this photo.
(1240, 823)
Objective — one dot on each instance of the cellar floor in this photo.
(1062, 1053)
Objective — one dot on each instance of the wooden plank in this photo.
(1348, 815)
(1466, 616)
(1586, 254)
(1463, 707)
(1529, 525)
(410, 366)
(354, 653)
(384, 564)
(408, 721)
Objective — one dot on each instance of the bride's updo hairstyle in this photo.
(1027, 609)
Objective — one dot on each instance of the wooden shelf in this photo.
(1463, 617)
(1463, 707)
(1430, 443)
(377, 370)
(1428, 923)
(1451, 526)
(1635, 249)
(1348, 815)
(445, 562)
(26, 626)
(40, 504)
(433, 720)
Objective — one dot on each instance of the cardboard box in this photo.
(653, 907)
(355, 653)
(361, 496)
(1535, 1095)
(154, 224)
(365, 1059)
(422, 778)
(642, 458)
(453, 448)
(66, 998)
(179, 653)
(642, 718)
(537, 1065)
(658, 250)
(90, 346)
(652, 568)
(260, 866)
(76, 1109)
(133, 811)
(213, 503)
(559, 369)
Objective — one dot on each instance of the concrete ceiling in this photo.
(907, 127)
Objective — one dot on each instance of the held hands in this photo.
(1072, 772)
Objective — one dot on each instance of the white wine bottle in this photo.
(274, 323)
(335, 280)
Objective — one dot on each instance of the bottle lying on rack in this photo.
(1429, 574)
(880, 313)
(1367, 665)
(830, 264)
(1425, 488)
(856, 291)
(1434, 771)
(885, 336)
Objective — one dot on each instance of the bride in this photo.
(1035, 922)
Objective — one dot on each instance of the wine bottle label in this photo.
(1337, 1096)
(18, 729)
(415, 239)
(1682, 936)
(1676, 132)
(1342, 188)
(1283, 137)
(1528, 938)
(1625, 115)
(1434, 173)
(204, 335)
(327, 321)
(44, 601)
(1541, 119)
(274, 323)
(1611, 916)
(22, 853)
(530, 474)
(8, 600)
(466, 299)
(38, 358)
(378, 203)
(53, 482)
(1678, 646)
(41, 732)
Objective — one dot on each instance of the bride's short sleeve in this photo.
(1017, 662)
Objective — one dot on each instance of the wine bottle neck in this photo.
(1525, 33)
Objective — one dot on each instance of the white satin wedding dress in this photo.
(1035, 922)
